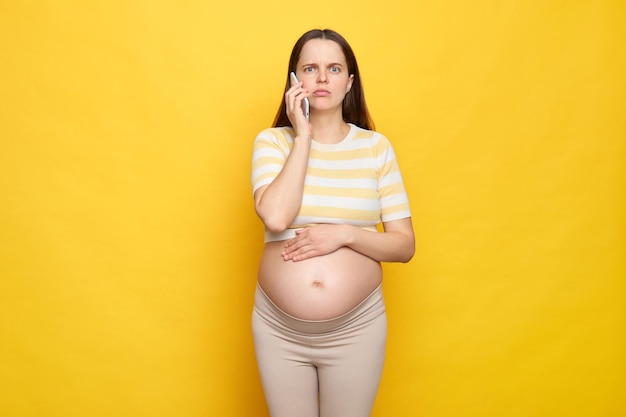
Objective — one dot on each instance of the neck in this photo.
(329, 129)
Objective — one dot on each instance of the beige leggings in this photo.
(328, 368)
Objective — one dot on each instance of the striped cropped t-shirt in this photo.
(356, 181)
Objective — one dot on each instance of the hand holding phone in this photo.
(305, 100)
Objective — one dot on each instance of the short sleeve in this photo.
(270, 151)
(393, 197)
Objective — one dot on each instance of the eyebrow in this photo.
(331, 64)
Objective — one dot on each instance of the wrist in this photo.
(303, 138)
(348, 235)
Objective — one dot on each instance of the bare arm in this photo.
(277, 204)
(396, 244)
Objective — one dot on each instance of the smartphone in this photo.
(305, 101)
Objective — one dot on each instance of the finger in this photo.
(293, 100)
(290, 243)
(301, 256)
(299, 236)
(293, 254)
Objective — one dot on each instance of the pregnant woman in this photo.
(321, 186)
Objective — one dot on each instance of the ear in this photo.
(350, 81)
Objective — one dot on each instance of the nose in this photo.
(322, 77)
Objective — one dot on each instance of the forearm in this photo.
(389, 246)
(279, 203)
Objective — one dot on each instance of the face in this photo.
(323, 69)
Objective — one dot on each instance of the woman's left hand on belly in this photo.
(315, 241)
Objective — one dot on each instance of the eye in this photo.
(335, 69)
(309, 69)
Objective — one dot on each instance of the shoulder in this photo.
(372, 139)
(276, 134)
(273, 142)
(372, 136)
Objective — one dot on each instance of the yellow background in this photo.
(129, 243)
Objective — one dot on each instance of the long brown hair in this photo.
(354, 107)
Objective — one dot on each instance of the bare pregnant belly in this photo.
(319, 288)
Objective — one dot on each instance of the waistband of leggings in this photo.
(371, 307)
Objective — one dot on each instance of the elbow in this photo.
(275, 227)
(409, 252)
(274, 223)
(407, 257)
(275, 220)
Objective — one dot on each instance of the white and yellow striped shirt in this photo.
(356, 181)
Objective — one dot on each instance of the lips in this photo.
(321, 93)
